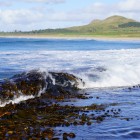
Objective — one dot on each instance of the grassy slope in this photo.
(109, 27)
(98, 28)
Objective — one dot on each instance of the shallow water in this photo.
(107, 67)
(112, 128)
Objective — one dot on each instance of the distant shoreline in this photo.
(111, 38)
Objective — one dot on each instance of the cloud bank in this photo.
(45, 1)
(32, 18)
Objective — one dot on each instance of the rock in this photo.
(72, 135)
(99, 119)
(55, 139)
(88, 123)
(10, 132)
(54, 85)
(5, 115)
(65, 135)
(97, 97)
(75, 123)
(37, 118)
(49, 133)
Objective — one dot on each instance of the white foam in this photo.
(98, 69)
(114, 76)
(17, 100)
(122, 66)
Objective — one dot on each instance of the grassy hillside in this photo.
(114, 26)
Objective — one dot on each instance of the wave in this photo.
(111, 76)
(29, 85)
(119, 67)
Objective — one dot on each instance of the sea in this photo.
(108, 68)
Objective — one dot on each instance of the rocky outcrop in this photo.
(37, 117)
(35, 83)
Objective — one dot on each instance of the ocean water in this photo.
(107, 67)
(98, 63)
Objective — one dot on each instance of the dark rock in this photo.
(88, 123)
(65, 135)
(54, 85)
(72, 135)
(99, 119)
(54, 139)
(37, 118)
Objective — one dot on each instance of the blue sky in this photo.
(41, 14)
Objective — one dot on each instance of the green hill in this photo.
(111, 24)
(114, 26)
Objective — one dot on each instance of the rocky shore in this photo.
(38, 117)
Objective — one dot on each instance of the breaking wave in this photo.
(98, 68)
(102, 68)
(112, 76)
(28, 85)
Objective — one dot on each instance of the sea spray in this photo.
(122, 66)
(114, 75)
(16, 100)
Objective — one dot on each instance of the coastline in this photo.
(53, 105)
(109, 38)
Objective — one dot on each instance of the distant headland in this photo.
(111, 27)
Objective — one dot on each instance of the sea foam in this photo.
(119, 67)
(16, 100)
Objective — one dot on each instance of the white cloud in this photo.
(20, 16)
(44, 1)
(5, 4)
(129, 5)
(40, 17)
(100, 10)
(11, 3)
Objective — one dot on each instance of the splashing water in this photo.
(16, 100)
(120, 59)
(97, 68)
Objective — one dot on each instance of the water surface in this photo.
(107, 67)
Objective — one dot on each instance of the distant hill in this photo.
(109, 24)
(112, 26)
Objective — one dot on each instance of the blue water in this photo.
(112, 128)
(107, 67)
(18, 55)
(13, 44)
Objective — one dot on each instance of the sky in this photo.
(27, 15)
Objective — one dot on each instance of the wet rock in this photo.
(100, 119)
(10, 132)
(5, 115)
(65, 135)
(97, 97)
(55, 139)
(37, 118)
(90, 97)
(119, 110)
(71, 135)
(89, 123)
(75, 123)
(54, 85)
(48, 133)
